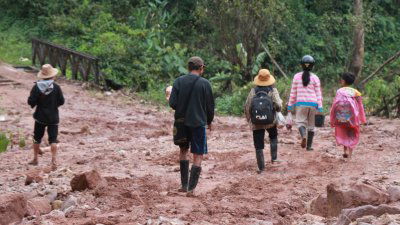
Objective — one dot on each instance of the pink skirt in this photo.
(347, 136)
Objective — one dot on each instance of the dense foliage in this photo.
(144, 44)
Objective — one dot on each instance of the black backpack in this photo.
(262, 107)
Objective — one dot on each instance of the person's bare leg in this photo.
(197, 159)
(350, 152)
(36, 150)
(53, 148)
(40, 151)
(184, 154)
(345, 153)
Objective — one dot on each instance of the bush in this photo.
(233, 104)
(4, 142)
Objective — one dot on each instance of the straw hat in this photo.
(47, 72)
(264, 78)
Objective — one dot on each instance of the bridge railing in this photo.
(59, 56)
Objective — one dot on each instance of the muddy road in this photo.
(129, 143)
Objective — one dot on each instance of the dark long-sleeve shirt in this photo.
(200, 108)
(46, 105)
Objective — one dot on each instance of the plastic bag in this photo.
(289, 121)
(280, 119)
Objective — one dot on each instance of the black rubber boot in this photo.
(184, 166)
(260, 160)
(310, 140)
(303, 134)
(274, 149)
(194, 177)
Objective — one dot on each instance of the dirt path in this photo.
(129, 143)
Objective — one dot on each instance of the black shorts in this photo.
(38, 133)
(197, 140)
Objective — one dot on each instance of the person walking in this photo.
(306, 96)
(193, 102)
(347, 115)
(46, 96)
(261, 106)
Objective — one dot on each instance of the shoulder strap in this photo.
(259, 90)
(190, 95)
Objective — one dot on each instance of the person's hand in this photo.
(209, 127)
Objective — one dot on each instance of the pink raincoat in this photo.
(347, 114)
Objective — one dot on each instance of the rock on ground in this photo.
(385, 219)
(87, 180)
(165, 221)
(71, 201)
(349, 215)
(342, 197)
(13, 208)
(33, 177)
(394, 193)
(309, 219)
(319, 206)
(38, 206)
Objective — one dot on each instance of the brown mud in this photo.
(129, 142)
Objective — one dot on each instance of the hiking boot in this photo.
(303, 131)
(274, 149)
(260, 160)
(184, 168)
(310, 140)
(194, 179)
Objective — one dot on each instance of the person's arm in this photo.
(210, 105)
(33, 97)
(173, 99)
(247, 105)
(319, 94)
(277, 100)
(293, 95)
(61, 99)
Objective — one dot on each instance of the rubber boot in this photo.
(310, 140)
(260, 160)
(194, 178)
(184, 166)
(274, 150)
(303, 131)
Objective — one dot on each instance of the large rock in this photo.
(13, 207)
(319, 206)
(38, 206)
(349, 215)
(87, 180)
(394, 193)
(385, 219)
(358, 194)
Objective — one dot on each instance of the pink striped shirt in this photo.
(305, 96)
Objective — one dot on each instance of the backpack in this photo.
(344, 111)
(262, 108)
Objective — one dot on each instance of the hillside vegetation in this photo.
(144, 44)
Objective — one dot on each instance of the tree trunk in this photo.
(357, 58)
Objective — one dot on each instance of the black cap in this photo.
(196, 61)
(307, 59)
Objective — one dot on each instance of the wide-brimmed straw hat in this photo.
(47, 72)
(264, 78)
